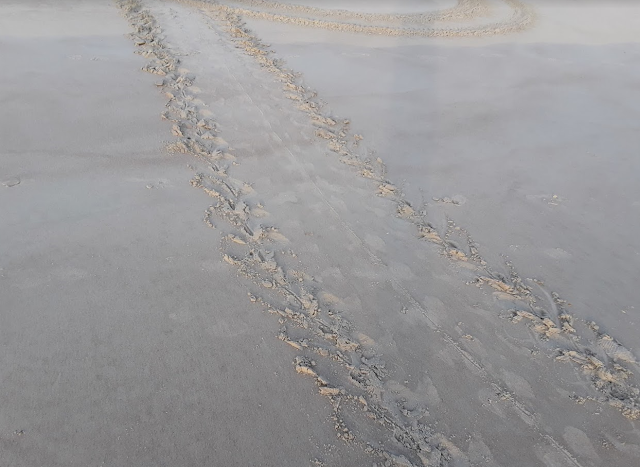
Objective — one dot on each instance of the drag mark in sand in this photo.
(310, 322)
(301, 307)
(565, 337)
(427, 24)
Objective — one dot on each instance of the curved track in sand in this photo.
(327, 341)
(467, 18)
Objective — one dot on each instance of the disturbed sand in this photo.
(394, 258)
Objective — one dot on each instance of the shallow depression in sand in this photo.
(367, 6)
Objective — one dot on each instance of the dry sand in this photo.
(329, 310)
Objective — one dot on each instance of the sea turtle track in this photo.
(603, 360)
(467, 18)
(291, 295)
(309, 324)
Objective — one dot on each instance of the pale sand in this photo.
(534, 133)
(131, 342)
(125, 339)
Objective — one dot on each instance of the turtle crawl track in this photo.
(308, 323)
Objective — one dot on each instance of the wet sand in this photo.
(126, 340)
(204, 264)
(527, 140)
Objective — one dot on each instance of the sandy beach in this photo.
(257, 233)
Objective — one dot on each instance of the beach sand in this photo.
(410, 243)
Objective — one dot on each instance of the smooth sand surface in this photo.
(204, 265)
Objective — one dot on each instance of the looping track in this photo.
(467, 18)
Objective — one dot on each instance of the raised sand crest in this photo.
(311, 320)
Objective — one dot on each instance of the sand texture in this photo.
(247, 232)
